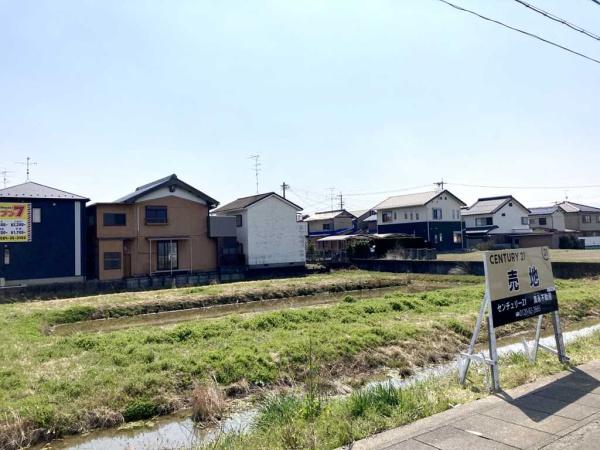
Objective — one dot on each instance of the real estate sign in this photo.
(15, 222)
(519, 284)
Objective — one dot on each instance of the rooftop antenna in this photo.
(4, 174)
(331, 196)
(440, 185)
(256, 158)
(28, 163)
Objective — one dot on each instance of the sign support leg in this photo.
(493, 353)
(560, 344)
(464, 368)
(536, 342)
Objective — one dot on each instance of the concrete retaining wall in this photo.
(560, 269)
(96, 287)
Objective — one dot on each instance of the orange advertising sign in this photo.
(15, 222)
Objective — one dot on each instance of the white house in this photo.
(501, 220)
(434, 216)
(268, 230)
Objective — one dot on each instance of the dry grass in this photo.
(208, 402)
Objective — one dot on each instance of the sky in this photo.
(368, 99)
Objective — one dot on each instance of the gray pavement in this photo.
(558, 412)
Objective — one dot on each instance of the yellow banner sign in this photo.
(15, 222)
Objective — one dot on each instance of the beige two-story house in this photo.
(160, 228)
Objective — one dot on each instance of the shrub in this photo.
(140, 410)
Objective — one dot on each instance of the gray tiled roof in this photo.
(36, 190)
(244, 202)
(171, 180)
(328, 215)
(408, 200)
(577, 207)
(544, 210)
(489, 205)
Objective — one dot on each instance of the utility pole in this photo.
(341, 197)
(440, 185)
(4, 174)
(28, 163)
(256, 158)
(284, 187)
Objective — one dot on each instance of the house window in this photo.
(509, 203)
(483, 221)
(543, 221)
(457, 237)
(386, 216)
(167, 255)
(416, 216)
(112, 260)
(238, 220)
(598, 219)
(326, 227)
(524, 220)
(453, 214)
(586, 218)
(411, 215)
(156, 215)
(395, 215)
(36, 215)
(437, 214)
(114, 219)
(6, 256)
(406, 216)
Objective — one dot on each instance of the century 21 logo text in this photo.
(11, 212)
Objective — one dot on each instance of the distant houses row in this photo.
(446, 223)
(170, 227)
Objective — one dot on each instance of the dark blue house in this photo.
(42, 235)
(434, 216)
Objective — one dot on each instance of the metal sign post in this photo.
(519, 285)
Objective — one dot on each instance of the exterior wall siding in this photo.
(52, 251)
(185, 219)
(276, 237)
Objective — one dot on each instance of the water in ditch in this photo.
(179, 432)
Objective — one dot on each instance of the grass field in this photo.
(557, 255)
(298, 421)
(70, 384)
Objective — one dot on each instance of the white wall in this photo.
(510, 222)
(274, 235)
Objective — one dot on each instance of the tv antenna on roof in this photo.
(440, 185)
(28, 163)
(4, 174)
(256, 158)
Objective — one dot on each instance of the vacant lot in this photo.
(70, 384)
(557, 255)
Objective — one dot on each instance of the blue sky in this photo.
(365, 97)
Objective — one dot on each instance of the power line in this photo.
(590, 186)
(597, 2)
(527, 33)
(357, 194)
(558, 19)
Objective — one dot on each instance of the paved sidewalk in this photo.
(559, 412)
